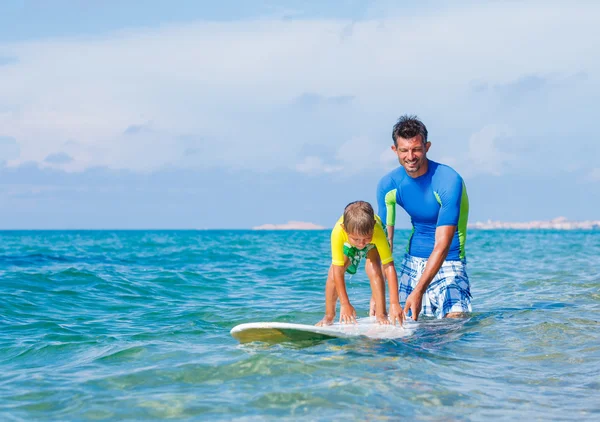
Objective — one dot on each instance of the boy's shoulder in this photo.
(338, 225)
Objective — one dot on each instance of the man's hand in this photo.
(413, 304)
(396, 314)
(327, 320)
(347, 314)
(382, 319)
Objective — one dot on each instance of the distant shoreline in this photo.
(122, 230)
(290, 225)
(559, 223)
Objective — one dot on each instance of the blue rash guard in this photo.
(437, 198)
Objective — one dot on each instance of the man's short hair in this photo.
(359, 218)
(408, 127)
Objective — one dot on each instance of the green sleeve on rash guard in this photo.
(390, 205)
(462, 221)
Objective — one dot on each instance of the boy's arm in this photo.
(330, 297)
(395, 311)
(340, 261)
(347, 312)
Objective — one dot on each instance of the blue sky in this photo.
(189, 114)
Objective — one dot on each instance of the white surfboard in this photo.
(275, 332)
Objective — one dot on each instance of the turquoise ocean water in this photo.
(113, 325)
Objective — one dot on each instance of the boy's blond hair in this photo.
(359, 218)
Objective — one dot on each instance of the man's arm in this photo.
(386, 194)
(390, 236)
(443, 240)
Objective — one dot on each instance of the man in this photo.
(433, 277)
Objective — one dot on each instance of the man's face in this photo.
(412, 154)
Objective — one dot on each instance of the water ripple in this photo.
(135, 325)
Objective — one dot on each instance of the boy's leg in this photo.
(377, 280)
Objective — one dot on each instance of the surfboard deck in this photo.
(276, 332)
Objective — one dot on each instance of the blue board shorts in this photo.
(449, 291)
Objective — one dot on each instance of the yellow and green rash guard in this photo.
(339, 237)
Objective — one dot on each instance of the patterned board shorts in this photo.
(449, 290)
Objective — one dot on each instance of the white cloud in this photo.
(594, 175)
(450, 161)
(225, 83)
(359, 153)
(484, 156)
(9, 149)
(315, 165)
(388, 160)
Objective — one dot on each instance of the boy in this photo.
(359, 233)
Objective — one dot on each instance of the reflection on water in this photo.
(135, 325)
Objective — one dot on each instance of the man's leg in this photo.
(456, 315)
(409, 273)
(455, 296)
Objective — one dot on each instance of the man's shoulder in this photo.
(392, 178)
(444, 172)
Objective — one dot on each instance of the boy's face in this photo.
(359, 241)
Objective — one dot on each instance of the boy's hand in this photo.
(382, 319)
(347, 314)
(327, 320)
(396, 314)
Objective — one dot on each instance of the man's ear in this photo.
(427, 146)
